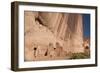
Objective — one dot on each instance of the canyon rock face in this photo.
(50, 36)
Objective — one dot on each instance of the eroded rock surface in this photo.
(50, 36)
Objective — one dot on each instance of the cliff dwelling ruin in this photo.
(52, 36)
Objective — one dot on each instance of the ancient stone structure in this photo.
(51, 35)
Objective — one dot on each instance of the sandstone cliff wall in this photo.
(51, 35)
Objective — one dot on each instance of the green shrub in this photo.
(79, 56)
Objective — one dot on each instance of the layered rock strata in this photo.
(51, 35)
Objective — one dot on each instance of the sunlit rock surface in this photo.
(50, 36)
